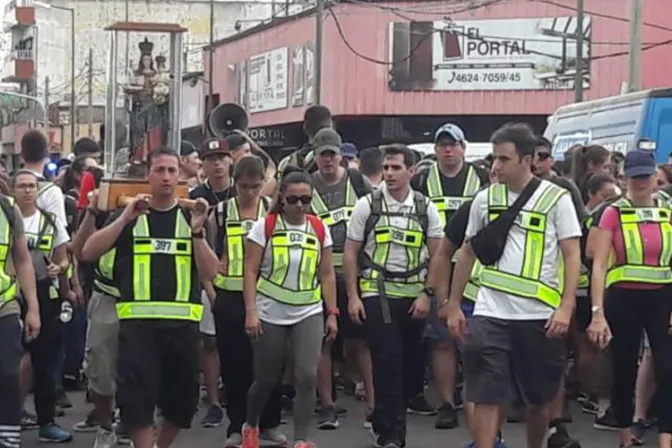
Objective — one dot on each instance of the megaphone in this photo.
(226, 118)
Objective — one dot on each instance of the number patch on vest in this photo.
(163, 246)
(247, 225)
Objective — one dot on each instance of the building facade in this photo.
(396, 70)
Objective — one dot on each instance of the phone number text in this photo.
(488, 78)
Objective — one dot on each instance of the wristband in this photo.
(198, 235)
(334, 312)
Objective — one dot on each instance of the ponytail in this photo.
(584, 156)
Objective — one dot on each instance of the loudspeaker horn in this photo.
(226, 118)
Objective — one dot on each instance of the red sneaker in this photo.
(250, 436)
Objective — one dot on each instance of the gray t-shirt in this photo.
(13, 307)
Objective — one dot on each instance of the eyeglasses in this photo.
(295, 199)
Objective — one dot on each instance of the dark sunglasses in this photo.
(543, 155)
(294, 199)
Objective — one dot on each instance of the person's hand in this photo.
(54, 270)
(331, 327)
(443, 313)
(598, 331)
(135, 208)
(252, 325)
(93, 201)
(199, 214)
(558, 324)
(32, 325)
(79, 294)
(455, 320)
(356, 311)
(420, 307)
(223, 266)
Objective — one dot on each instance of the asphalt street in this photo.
(351, 434)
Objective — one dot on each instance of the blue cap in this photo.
(639, 163)
(349, 150)
(452, 130)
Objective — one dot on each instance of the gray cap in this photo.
(327, 139)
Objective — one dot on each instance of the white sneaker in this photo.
(272, 437)
(235, 440)
(104, 439)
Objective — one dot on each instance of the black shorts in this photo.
(583, 314)
(347, 329)
(508, 361)
(158, 367)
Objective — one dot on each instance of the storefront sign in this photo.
(505, 54)
(268, 137)
(267, 81)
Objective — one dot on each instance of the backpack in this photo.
(318, 226)
(220, 219)
(377, 211)
(358, 183)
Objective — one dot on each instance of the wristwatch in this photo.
(596, 309)
(198, 235)
(429, 291)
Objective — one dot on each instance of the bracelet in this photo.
(334, 312)
(198, 235)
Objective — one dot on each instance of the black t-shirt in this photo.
(206, 192)
(457, 226)
(162, 276)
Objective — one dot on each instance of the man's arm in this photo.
(351, 268)
(24, 271)
(437, 277)
(103, 240)
(206, 260)
(571, 253)
(462, 273)
(86, 228)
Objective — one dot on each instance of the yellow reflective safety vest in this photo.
(375, 277)
(447, 205)
(145, 251)
(634, 269)
(234, 242)
(527, 282)
(474, 284)
(583, 288)
(333, 217)
(280, 242)
(8, 288)
(43, 241)
(103, 274)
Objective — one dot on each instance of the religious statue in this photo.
(148, 90)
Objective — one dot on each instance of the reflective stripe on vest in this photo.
(7, 281)
(447, 205)
(412, 240)
(634, 269)
(234, 244)
(527, 283)
(281, 242)
(474, 283)
(144, 248)
(105, 274)
(336, 216)
(46, 243)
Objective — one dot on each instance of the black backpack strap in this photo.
(374, 216)
(8, 209)
(358, 183)
(220, 218)
(421, 211)
(49, 221)
(267, 203)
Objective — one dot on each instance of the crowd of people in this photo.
(518, 282)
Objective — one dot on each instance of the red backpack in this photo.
(318, 226)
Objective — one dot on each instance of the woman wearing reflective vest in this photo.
(288, 272)
(633, 248)
(231, 222)
(47, 238)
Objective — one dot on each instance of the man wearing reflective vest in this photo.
(526, 298)
(161, 258)
(336, 190)
(392, 235)
(448, 183)
(47, 239)
(102, 331)
(15, 262)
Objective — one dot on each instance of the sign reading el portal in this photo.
(506, 54)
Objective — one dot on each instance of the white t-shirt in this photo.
(397, 259)
(561, 223)
(52, 200)
(32, 228)
(268, 309)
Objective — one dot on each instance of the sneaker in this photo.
(606, 422)
(328, 418)
(446, 418)
(304, 444)
(272, 437)
(235, 440)
(360, 392)
(638, 432)
(52, 433)
(123, 435)
(368, 419)
(589, 407)
(89, 424)
(213, 418)
(458, 402)
(28, 421)
(419, 406)
(105, 439)
(394, 444)
(62, 400)
(559, 438)
(250, 436)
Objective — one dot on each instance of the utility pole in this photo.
(319, 29)
(635, 49)
(211, 62)
(90, 85)
(46, 100)
(126, 13)
(73, 100)
(578, 77)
